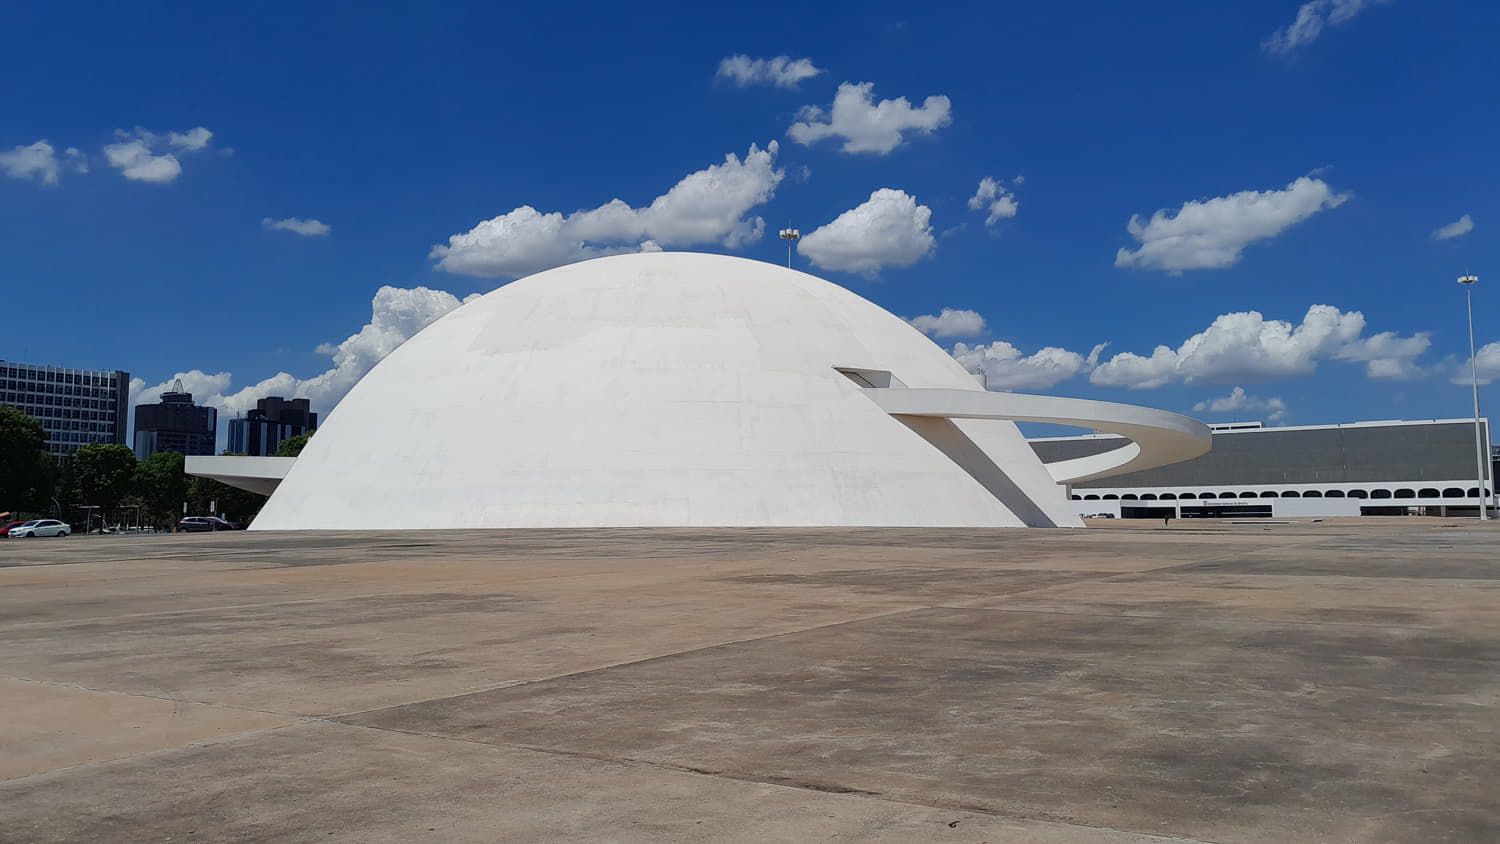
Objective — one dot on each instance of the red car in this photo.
(6, 526)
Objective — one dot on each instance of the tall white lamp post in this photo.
(1468, 282)
(790, 236)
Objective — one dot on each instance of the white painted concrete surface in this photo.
(257, 474)
(667, 389)
(1153, 437)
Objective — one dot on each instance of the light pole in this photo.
(790, 236)
(1468, 282)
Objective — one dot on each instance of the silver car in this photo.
(40, 527)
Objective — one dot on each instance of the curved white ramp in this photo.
(1156, 437)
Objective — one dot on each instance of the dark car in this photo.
(195, 524)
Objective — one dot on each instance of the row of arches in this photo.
(1403, 493)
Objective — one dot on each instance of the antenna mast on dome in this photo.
(790, 235)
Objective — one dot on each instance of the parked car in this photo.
(6, 526)
(196, 524)
(40, 527)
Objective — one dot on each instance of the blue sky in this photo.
(265, 186)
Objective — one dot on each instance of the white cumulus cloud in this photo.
(708, 206)
(396, 314)
(192, 140)
(1487, 359)
(297, 225)
(867, 126)
(1238, 401)
(1247, 346)
(887, 230)
(1006, 368)
(202, 385)
(1388, 354)
(995, 197)
(781, 71)
(949, 323)
(1458, 228)
(1211, 233)
(38, 161)
(139, 154)
(1311, 18)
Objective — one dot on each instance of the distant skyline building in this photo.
(175, 424)
(274, 419)
(75, 406)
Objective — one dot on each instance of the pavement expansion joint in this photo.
(167, 697)
(583, 672)
(1271, 622)
(147, 754)
(1312, 542)
(250, 605)
(791, 783)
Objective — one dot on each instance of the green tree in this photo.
(65, 490)
(208, 497)
(104, 473)
(44, 495)
(292, 446)
(161, 486)
(22, 442)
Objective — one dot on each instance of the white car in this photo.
(40, 527)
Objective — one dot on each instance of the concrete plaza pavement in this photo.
(1315, 681)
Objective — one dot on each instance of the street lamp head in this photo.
(790, 234)
(1467, 279)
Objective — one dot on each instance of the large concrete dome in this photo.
(666, 389)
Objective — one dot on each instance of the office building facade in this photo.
(175, 424)
(75, 406)
(259, 432)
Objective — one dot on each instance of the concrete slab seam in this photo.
(849, 793)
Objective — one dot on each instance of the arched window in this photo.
(1169, 496)
(1091, 498)
(1453, 492)
(1428, 492)
(1312, 493)
(1473, 492)
(1129, 496)
(1406, 493)
(1077, 498)
(1271, 494)
(1150, 496)
(1111, 497)
(1381, 493)
(1193, 495)
(1248, 495)
(1358, 493)
(1291, 493)
(1334, 493)
(1227, 495)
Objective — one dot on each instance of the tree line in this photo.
(101, 484)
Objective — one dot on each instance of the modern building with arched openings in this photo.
(1424, 467)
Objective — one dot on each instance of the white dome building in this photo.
(680, 389)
